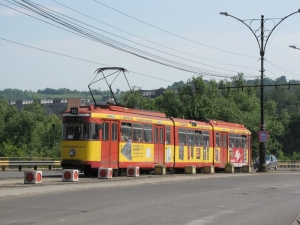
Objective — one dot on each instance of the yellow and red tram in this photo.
(117, 137)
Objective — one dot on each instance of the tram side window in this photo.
(126, 131)
(198, 137)
(205, 135)
(161, 135)
(147, 133)
(238, 141)
(155, 134)
(244, 141)
(95, 130)
(182, 136)
(105, 131)
(217, 139)
(114, 132)
(231, 140)
(224, 140)
(168, 135)
(190, 137)
(137, 132)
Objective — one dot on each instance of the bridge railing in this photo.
(288, 163)
(29, 162)
(50, 162)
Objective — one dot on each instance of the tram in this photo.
(117, 137)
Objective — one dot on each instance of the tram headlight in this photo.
(72, 152)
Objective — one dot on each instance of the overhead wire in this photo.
(284, 70)
(130, 40)
(145, 38)
(171, 32)
(84, 60)
(117, 45)
(251, 65)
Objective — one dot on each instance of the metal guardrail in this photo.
(289, 164)
(35, 162)
(32, 162)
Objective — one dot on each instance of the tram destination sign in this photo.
(74, 119)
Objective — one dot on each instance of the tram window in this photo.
(161, 135)
(126, 131)
(238, 141)
(72, 131)
(155, 134)
(231, 140)
(182, 136)
(147, 133)
(68, 132)
(95, 131)
(198, 137)
(114, 132)
(224, 136)
(190, 137)
(168, 135)
(217, 139)
(86, 131)
(105, 131)
(205, 136)
(244, 141)
(137, 132)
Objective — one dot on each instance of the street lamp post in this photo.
(262, 36)
(294, 47)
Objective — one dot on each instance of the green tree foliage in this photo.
(14, 94)
(134, 99)
(199, 99)
(28, 133)
(170, 104)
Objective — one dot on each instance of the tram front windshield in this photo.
(80, 131)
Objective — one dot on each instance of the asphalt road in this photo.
(240, 198)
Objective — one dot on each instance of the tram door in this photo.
(223, 147)
(159, 144)
(109, 148)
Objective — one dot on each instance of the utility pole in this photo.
(260, 34)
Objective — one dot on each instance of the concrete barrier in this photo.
(159, 170)
(105, 173)
(190, 169)
(33, 177)
(208, 169)
(246, 169)
(69, 175)
(133, 171)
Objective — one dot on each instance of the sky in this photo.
(147, 38)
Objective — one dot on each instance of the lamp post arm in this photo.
(277, 25)
(248, 27)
